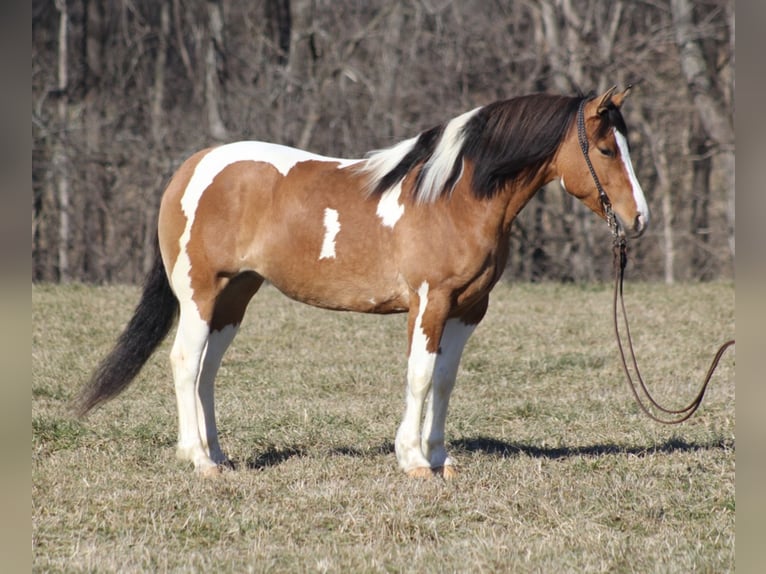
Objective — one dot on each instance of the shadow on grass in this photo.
(273, 457)
(385, 448)
(494, 447)
(504, 449)
(276, 456)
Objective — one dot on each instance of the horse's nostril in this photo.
(639, 224)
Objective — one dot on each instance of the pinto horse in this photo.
(420, 228)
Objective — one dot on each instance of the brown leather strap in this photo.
(620, 261)
(582, 138)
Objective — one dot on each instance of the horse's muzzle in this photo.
(639, 225)
(634, 230)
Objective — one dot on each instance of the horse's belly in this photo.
(331, 258)
(337, 289)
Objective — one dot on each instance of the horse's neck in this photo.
(516, 194)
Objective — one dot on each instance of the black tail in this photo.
(151, 322)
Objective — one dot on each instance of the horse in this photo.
(422, 227)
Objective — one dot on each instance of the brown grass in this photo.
(559, 470)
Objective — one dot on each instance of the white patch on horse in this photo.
(638, 193)
(215, 161)
(389, 209)
(331, 229)
(419, 336)
(454, 338)
(420, 368)
(186, 359)
(564, 187)
(283, 158)
(438, 168)
(380, 162)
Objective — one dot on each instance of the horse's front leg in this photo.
(425, 323)
(456, 333)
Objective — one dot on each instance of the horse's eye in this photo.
(606, 152)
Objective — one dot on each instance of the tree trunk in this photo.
(214, 58)
(714, 115)
(700, 200)
(158, 97)
(657, 146)
(158, 129)
(59, 154)
(97, 244)
(279, 27)
(183, 53)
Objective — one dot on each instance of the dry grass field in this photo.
(560, 472)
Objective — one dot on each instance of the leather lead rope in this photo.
(620, 262)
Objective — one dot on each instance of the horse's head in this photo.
(598, 139)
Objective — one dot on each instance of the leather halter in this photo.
(582, 137)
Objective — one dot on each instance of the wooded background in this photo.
(124, 90)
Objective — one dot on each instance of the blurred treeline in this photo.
(124, 90)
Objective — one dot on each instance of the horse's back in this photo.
(301, 220)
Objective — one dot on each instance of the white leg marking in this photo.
(389, 209)
(186, 359)
(638, 193)
(218, 342)
(454, 338)
(420, 368)
(331, 227)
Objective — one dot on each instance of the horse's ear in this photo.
(620, 98)
(603, 104)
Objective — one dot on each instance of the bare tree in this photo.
(155, 81)
(59, 153)
(94, 205)
(214, 66)
(708, 99)
(158, 126)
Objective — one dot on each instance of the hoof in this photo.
(447, 472)
(225, 464)
(211, 471)
(420, 472)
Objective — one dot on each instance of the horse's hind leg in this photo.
(186, 359)
(218, 342)
(229, 309)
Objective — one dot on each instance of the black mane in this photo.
(515, 138)
(505, 141)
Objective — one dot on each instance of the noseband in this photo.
(620, 262)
